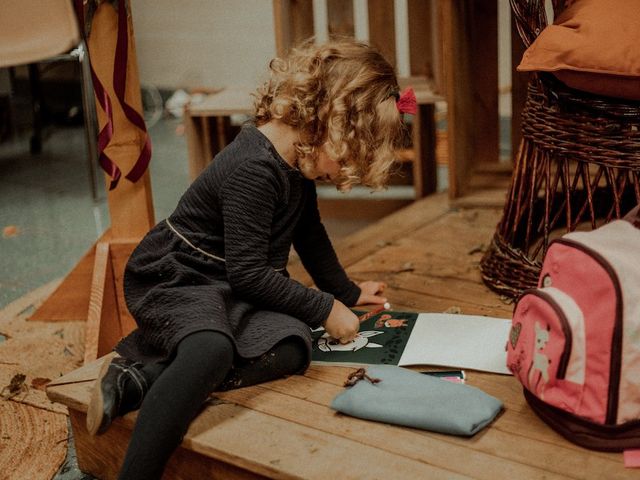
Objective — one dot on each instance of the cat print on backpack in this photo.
(540, 361)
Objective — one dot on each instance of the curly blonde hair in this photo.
(340, 95)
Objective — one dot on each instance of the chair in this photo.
(31, 33)
(578, 167)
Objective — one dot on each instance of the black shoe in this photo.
(109, 390)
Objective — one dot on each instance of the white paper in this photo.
(461, 341)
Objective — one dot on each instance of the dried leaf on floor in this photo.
(15, 386)
(10, 231)
(40, 383)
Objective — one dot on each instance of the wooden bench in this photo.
(428, 254)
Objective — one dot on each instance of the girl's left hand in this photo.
(371, 293)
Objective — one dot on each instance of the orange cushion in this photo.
(594, 46)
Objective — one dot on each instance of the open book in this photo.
(405, 338)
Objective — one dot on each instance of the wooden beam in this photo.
(420, 38)
(469, 38)
(482, 24)
(130, 204)
(70, 301)
(340, 19)
(103, 323)
(425, 171)
(281, 26)
(456, 69)
(382, 28)
(102, 456)
(292, 22)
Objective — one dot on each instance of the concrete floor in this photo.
(48, 217)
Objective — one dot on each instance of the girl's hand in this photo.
(370, 293)
(342, 324)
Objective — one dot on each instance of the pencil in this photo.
(368, 315)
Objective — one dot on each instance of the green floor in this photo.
(48, 217)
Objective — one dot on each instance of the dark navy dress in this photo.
(219, 261)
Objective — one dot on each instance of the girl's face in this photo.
(326, 168)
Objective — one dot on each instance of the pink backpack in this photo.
(575, 340)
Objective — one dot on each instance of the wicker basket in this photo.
(577, 167)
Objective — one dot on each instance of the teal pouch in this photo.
(408, 398)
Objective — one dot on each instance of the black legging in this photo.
(203, 360)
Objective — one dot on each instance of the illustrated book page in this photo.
(405, 338)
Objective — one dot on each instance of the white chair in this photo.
(36, 32)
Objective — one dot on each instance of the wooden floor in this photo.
(428, 253)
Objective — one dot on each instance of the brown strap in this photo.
(106, 134)
(360, 374)
(119, 83)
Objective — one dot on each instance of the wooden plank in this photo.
(393, 227)
(483, 50)
(505, 387)
(373, 237)
(420, 38)
(103, 322)
(120, 253)
(70, 300)
(102, 456)
(517, 413)
(382, 28)
(482, 198)
(469, 49)
(220, 432)
(481, 453)
(130, 205)
(281, 26)
(301, 452)
(456, 69)
(487, 187)
(74, 388)
(340, 18)
(301, 21)
(424, 276)
(293, 23)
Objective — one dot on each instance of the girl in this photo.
(208, 287)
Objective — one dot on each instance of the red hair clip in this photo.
(407, 102)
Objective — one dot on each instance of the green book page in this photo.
(381, 340)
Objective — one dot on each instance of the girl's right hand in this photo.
(342, 324)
